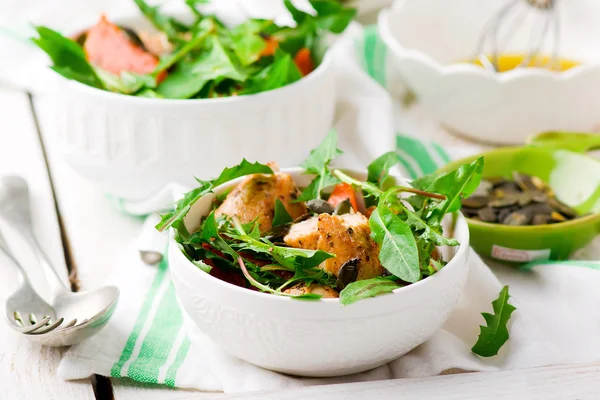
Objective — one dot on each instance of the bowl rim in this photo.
(384, 30)
(320, 70)
(458, 257)
(584, 220)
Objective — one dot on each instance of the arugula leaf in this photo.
(190, 198)
(430, 232)
(68, 57)
(378, 170)
(366, 288)
(126, 82)
(281, 72)
(298, 15)
(290, 257)
(190, 76)
(493, 336)
(281, 216)
(317, 163)
(247, 42)
(398, 248)
(210, 234)
(332, 16)
(455, 185)
(170, 26)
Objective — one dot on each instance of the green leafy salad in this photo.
(336, 237)
(202, 58)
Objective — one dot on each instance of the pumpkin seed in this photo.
(518, 218)
(540, 219)
(319, 206)
(476, 201)
(343, 208)
(487, 214)
(527, 200)
(347, 273)
(562, 208)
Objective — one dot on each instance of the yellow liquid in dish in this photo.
(506, 62)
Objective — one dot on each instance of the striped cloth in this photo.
(146, 340)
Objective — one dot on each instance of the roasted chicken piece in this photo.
(324, 291)
(347, 236)
(255, 196)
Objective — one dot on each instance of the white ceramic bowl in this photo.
(425, 38)
(316, 338)
(132, 147)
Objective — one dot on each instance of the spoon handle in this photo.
(5, 250)
(15, 214)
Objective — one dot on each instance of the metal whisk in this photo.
(502, 28)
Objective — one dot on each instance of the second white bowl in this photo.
(427, 38)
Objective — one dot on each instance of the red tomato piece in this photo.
(272, 45)
(341, 192)
(304, 62)
(109, 48)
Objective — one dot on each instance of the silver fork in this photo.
(93, 309)
(30, 313)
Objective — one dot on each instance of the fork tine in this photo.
(69, 324)
(46, 329)
(31, 328)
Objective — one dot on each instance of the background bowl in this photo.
(575, 179)
(316, 338)
(427, 38)
(132, 147)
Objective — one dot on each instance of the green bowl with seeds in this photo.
(572, 179)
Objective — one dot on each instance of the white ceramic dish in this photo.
(133, 147)
(316, 338)
(426, 38)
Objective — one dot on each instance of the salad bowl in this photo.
(491, 107)
(132, 147)
(320, 337)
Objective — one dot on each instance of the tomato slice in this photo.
(109, 48)
(272, 45)
(304, 62)
(341, 192)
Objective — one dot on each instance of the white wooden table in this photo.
(84, 236)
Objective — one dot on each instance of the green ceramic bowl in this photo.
(575, 179)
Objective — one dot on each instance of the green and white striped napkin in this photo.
(146, 339)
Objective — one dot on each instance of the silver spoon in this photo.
(91, 309)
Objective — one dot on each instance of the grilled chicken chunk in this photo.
(347, 236)
(255, 196)
(301, 288)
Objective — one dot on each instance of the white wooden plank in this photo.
(98, 236)
(27, 370)
(548, 383)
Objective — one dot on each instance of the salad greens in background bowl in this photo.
(154, 98)
(558, 160)
(272, 263)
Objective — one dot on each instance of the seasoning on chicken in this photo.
(255, 197)
(301, 288)
(347, 236)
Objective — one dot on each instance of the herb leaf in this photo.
(281, 216)
(281, 72)
(210, 234)
(318, 163)
(190, 76)
(454, 185)
(228, 174)
(170, 26)
(493, 336)
(366, 288)
(379, 169)
(68, 57)
(398, 248)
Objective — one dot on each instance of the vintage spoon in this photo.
(91, 309)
